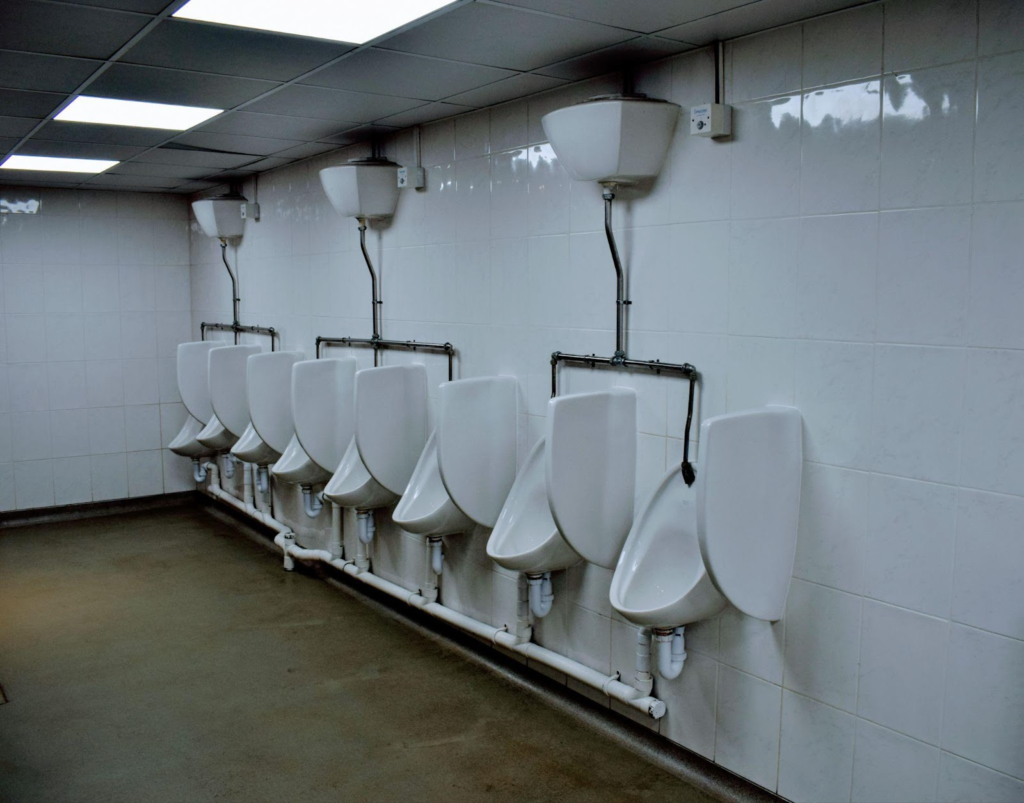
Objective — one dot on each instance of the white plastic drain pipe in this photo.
(246, 503)
(637, 696)
(671, 652)
(229, 466)
(364, 519)
(541, 594)
(312, 503)
(198, 470)
(436, 548)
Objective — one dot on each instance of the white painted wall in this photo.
(95, 299)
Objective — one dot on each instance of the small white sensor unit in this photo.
(711, 120)
(411, 178)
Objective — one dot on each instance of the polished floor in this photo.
(166, 657)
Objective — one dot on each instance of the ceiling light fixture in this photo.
(57, 163)
(134, 113)
(354, 22)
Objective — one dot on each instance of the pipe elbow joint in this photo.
(671, 652)
(542, 596)
(312, 503)
(199, 471)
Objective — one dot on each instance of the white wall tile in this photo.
(109, 476)
(62, 287)
(65, 337)
(984, 709)
(766, 158)
(103, 383)
(908, 546)
(928, 121)
(843, 47)
(33, 484)
(106, 430)
(690, 698)
(993, 450)
(917, 412)
(902, 671)
(752, 645)
(142, 427)
(30, 436)
(763, 259)
(920, 33)
(472, 135)
(890, 767)
(72, 481)
(145, 473)
(998, 172)
(23, 288)
(961, 781)
(816, 756)
(989, 571)
(764, 65)
(997, 284)
(760, 371)
(998, 23)
(747, 734)
(833, 526)
(69, 430)
(841, 148)
(833, 393)
(822, 644)
(923, 248)
(26, 338)
(29, 387)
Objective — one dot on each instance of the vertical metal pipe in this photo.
(373, 283)
(620, 277)
(235, 300)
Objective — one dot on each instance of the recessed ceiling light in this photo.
(57, 163)
(134, 113)
(354, 22)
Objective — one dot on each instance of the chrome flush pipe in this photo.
(373, 284)
(621, 302)
(235, 300)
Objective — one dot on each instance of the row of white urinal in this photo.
(731, 539)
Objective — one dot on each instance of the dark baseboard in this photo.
(92, 510)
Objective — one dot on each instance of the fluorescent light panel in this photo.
(134, 113)
(341, 20)
(57, 163)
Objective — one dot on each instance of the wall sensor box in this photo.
(711, 120)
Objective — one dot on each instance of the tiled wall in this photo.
(95, 299)
(855, 250)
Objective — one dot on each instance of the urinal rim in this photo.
(325, 361)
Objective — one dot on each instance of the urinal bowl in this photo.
(251, 448)
(352, 486)
(425, 507)
(525, 539)
(661, 580)
(297, 467)
(216, 436)
(186, 444)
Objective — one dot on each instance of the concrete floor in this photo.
(165, 657)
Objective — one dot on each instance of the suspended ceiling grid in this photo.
(289, 98)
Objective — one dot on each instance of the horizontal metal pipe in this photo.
(238, 328)
(380, 344)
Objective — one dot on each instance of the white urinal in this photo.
(227, 386)
(591, 470)
(685, 561)
(390, 431)
(322, 402)
(469, 463)
(525, 538)
(268, 388)
(194, 389)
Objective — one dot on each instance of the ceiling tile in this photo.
(78, 150)
(131, 82)
(307, 149)
(133, 182)
(6, 143)
(236, 143)
(272, 125)
(363, 133)
(44, 73)
(232, 51)
(16, 126)
(105, 134)
(636, 51)
(511, 88)
(387, 72)
(262, 165)
(646, 17)
(140, 6)
(40, 178)
(197, 186)
(87, 32)
(752, 17)
(424, 114)
(502, 36)
(17, 103)
(195, 158)
(182, 172)
(332, 104)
